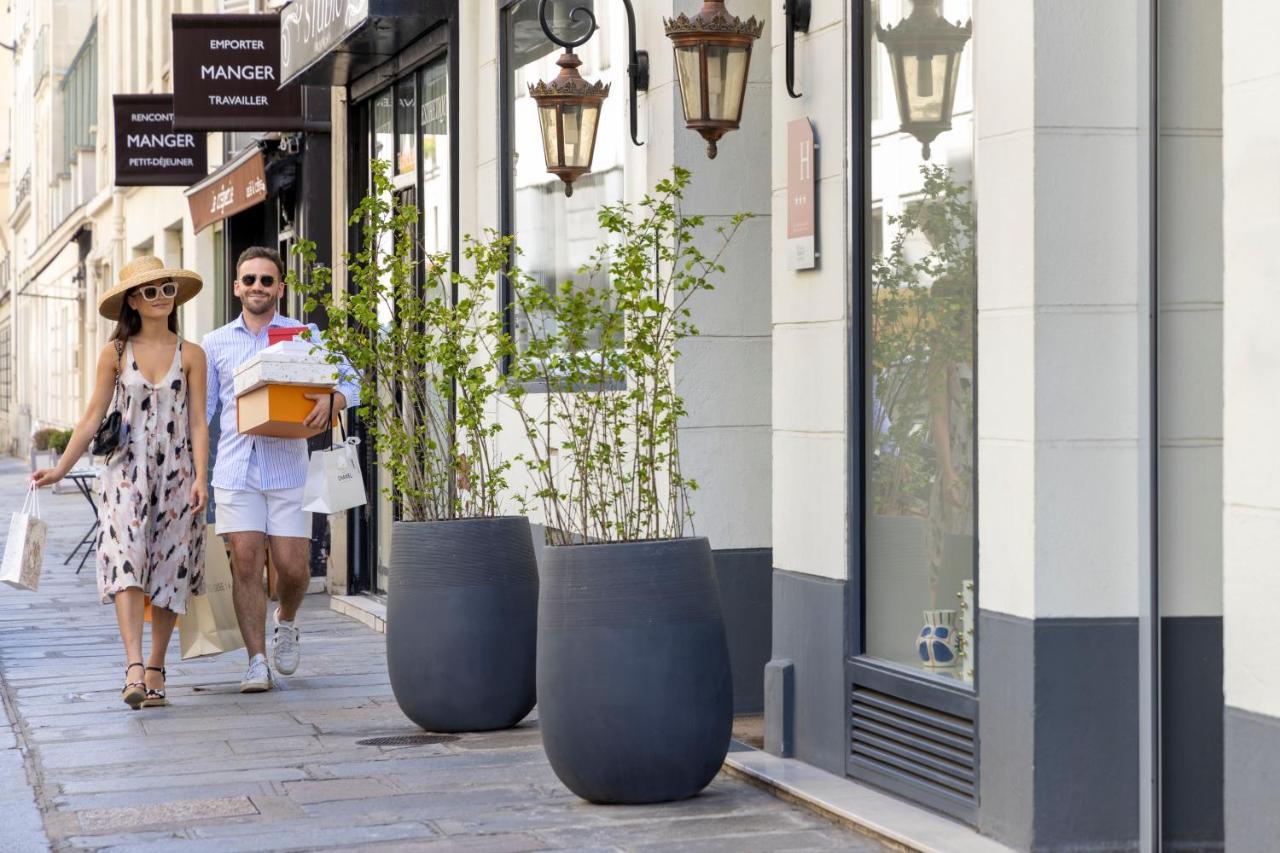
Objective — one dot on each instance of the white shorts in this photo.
(275, 512)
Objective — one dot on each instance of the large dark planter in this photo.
(635, 697)
(462, 622)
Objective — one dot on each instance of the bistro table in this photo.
(83, 478)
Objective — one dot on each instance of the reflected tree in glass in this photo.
(922, 346)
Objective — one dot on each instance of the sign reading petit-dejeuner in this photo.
(149, 152)
(226, 75)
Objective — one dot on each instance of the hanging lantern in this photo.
(713, 54)
(924, 53)
(569, 112)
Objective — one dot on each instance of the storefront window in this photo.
(412, 112)
(921, 321)
(558, 235)
(433, 118)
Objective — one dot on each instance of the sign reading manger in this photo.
(226, 75)
(149, 152)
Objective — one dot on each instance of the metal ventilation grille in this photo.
(915, 750)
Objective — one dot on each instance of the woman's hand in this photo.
(199, 495)
(46, 477)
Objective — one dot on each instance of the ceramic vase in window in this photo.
(936, 644)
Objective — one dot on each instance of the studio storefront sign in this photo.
(239, 185)
(332, 42)
(149, 152)
(226, 75)
(309, 29)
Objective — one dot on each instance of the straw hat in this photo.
(145, 270)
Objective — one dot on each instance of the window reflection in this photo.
(558, 235)
(921, 308)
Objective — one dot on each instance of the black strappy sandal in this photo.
(155, 698)
(134, 691)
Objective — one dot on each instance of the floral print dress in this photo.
(150, 537)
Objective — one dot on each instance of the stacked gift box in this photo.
(271, 387)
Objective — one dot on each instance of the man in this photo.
(258, 481)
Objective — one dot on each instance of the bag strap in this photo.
(31, 506)
(341, 426)
(119, 369)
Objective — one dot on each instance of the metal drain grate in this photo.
(407, 740)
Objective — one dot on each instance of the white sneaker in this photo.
(257, 679)
(284, 647)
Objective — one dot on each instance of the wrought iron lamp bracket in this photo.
(637, 66)
(798, 13)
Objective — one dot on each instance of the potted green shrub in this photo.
(428, 343)
(635, 699)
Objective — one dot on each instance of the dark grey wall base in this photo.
(809, 630)
(1058, 731)
(1192, 725)
(1252, 768)
(745, 579)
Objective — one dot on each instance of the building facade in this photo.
(994, 404)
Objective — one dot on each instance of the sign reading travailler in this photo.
(226, 75)
(802, 196)
(149, 152)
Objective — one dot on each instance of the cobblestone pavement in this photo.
(220, 771)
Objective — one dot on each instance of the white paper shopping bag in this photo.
(24, 547)
(334, 482)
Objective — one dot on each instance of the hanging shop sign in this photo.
(332, 42)
(237, 186)
(149, 152)
(226, 75)
(802, 196)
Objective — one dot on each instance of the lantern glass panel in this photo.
(688, 65)
(925, 76)
(580, 122)
(550, 135)
(726, 74)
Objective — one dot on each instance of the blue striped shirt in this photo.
(281, 462)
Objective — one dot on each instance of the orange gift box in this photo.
(278, 410)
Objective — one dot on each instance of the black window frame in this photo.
(863, 671)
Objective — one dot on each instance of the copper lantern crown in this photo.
(924, 53)
(713, 54)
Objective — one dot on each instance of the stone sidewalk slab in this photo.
(222, 772)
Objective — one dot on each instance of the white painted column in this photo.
(1251, 411)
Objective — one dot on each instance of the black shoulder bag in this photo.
(110, 434)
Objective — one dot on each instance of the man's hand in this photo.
(322, 414)
(199, 496)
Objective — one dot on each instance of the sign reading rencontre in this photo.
(149, 152)
(226, 75)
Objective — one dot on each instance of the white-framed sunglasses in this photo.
(152, 292)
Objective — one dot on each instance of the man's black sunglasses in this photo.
(249, 278)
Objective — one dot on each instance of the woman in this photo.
(150, 509)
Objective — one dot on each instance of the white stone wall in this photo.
(1189, 234)
(1251, 352)
(810, 313)
(1061, 275)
